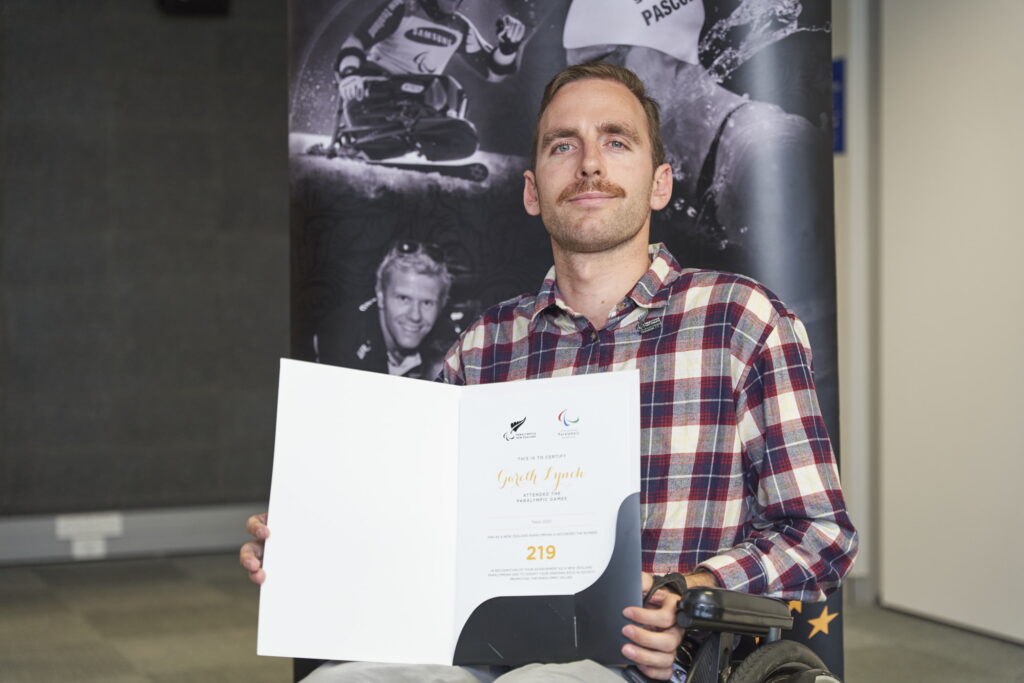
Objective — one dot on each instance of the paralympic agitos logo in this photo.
(568, 422)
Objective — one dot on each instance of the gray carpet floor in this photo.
(194, 619)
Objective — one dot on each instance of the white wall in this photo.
(856, 323)
(952, 311)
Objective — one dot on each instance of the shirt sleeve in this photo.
(799, 540)
(474, 40)
(451, 368)
(381, 23)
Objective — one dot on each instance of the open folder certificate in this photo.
(419, 522)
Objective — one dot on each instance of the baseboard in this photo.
(134, 533)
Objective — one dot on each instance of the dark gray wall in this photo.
(143, 253)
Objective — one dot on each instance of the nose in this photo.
(415, 314)
(591, 162)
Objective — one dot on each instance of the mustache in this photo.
(584, 185)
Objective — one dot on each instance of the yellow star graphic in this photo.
(796, 606)
(821, 623)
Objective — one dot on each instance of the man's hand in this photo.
(510, 34)
(351, 87)
(655, 634)
(251, 555)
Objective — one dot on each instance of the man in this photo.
(739, 484)
(417, 38)
(392, 332)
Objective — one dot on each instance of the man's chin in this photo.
(589, 243)
(407, 347)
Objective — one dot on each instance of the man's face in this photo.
(594, 184)
(409, 305)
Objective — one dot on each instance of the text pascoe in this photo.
(530, 477)
(660, 10)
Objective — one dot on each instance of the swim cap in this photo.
(669, 26)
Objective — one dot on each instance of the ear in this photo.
(661, 188)
(531, 200)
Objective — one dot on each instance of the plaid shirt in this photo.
(738, 474)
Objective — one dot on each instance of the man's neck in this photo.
(396, 355)
(592, 284)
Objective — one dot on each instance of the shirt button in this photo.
(593, 336)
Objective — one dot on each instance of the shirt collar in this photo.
(405, 365)
(650, 291)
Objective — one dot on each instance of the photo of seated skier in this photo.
(394, 97)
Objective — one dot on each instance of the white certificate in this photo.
(419, 522)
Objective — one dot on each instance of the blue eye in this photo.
(563, 147)
(618, 144)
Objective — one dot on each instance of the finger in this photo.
(646, 581)
(651, 658)
(662, 597)
(661, 641)
(253, 549)
(511, 35)
(258, 577)
(257, 526)
(251, 556)
(659, 618)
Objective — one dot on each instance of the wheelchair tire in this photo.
(783, 661)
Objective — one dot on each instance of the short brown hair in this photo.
(607, 72)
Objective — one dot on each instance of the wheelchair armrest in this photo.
(718, 609)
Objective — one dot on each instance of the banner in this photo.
(410, 124)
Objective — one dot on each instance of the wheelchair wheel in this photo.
(782, 662)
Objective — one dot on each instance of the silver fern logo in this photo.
(515, 425)
(513, 433)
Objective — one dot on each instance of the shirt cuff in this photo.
(737, 569)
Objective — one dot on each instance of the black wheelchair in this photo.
(734, 637)
(731, 637)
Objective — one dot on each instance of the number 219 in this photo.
(540, 552)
